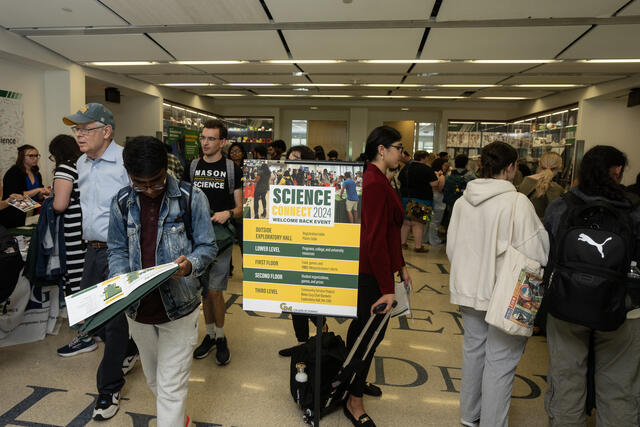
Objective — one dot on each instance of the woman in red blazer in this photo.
(380, 252)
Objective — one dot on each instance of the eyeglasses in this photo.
(141, 188)
(32, 156)
(78, 131)
(397, 147)
(210, 139)
(235, 151)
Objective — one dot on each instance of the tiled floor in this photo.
(417, 367)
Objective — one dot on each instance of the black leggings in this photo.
(368, 293)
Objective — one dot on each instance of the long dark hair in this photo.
(64, 149)
(22, 151)
(382, 135)
(496, 157)
(595, 176)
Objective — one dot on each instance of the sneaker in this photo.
(129, 362)
(469, 423)
(205, 348)
(80, 344)
(222, 351)
(106, 406)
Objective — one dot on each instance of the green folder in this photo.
(95, 322)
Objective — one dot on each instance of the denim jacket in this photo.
(179, 296)
(51, 258)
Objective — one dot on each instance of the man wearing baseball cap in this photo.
(101, 174)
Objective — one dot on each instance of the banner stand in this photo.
(317, 382)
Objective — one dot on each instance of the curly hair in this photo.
(595, 172)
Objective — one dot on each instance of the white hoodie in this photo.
(478, 234)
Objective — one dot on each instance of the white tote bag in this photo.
(403, 300)
(518, 290)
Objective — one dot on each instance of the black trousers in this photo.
(301, 325)
(115, 333)
(368, 294)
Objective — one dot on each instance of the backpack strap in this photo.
(123, 196)
(186, 191)
(192, 168)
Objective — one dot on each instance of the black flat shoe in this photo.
(287, 352)
(372, 390)
(363, 421)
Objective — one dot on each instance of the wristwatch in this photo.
(230, 213)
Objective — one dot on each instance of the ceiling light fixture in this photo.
(493, 123)
(299, 74)
(575, 109)
(224, 94)
(313, 108)
(403, 61)
(207, 62)
(466, 85)
(391, 85)
(512, 61)
(119, 63)
(560, 112)
(303, 61)
(385, 96)
(186, 84)
(442, 97)
(404, 109)
(331, 96)
(503, 98)
(301, 89)
(278, 95)
(548, 85)
(252, 84)
(320, 84)
(610, 61)
(463, 123)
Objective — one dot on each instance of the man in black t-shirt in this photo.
(211, 176)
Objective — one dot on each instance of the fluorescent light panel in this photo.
(331, 96)
(392, 85)
(610, 61)
(252, 84)
(279, 95)
(207, 62)
(548, 85)
(303, 61)
(503, 98)
(386, 96)
(120, 63)
(466, 85)
(463, 123)
(512, 61)
(442, 97)
(403, 61)
(187, 84)
(224, 94)
(320, 84)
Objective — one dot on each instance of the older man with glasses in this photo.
(101, 174)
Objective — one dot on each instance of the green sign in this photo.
(191, 143)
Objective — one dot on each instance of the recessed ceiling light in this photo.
(404, 109)
(187, 84)
(331, 96)
(403, 61)
(427, 74)
(225, 94)
(207, 62)
(512, 61)
(301, 89)
(466, 85)
(320, 84)
(391, 85)
(386, 96)
(119, 63)
(252, 84)
(303, 61)
(278, 95)
(549, 85)
(299, 74)
(503, 98)
(313, 108)
(610, 61)
(442, 97)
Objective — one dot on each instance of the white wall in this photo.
(135, 115)
(608, 122)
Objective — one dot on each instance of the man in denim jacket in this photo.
(163, 323)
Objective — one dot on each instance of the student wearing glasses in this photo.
(23, 178)
(164, 323)
(101, 174)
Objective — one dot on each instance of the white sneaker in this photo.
(106, 406)
(128, 363)
(469, 423)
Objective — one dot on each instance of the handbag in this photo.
(402, 298)
(518, 290)
(417, 211)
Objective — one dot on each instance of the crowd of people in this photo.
(133, 207)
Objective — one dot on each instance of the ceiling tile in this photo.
(354, 44)
(577, 67)
(359, 78)
(263, 78)
(607, 42)
(338, 10)
(170, 12)
(456, 79)
(355, 68)
(632, 9)
(221, 45)
(124, 47)
(176, 78)
(508, 9)
(551, 79)
(151, 69)
(469, 68)
(501, 91)
(251, 67)
(50, 13)
(499, 43)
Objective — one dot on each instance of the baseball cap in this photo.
(92, 112)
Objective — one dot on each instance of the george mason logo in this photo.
(111, 290)
(285, 307)
(84, 109)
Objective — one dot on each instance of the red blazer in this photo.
(382, 217)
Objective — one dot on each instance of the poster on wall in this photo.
(11, 128)
(301, 224)
(191, 142)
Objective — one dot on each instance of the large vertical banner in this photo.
(301, 237)
(11, 128)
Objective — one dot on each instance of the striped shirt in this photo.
(74, 244)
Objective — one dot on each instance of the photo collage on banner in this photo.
(302, 237)
(11, 128)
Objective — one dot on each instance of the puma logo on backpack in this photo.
(584, 238)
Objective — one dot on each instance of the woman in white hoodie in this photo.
(476, 243)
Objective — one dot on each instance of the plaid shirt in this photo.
(174, 167)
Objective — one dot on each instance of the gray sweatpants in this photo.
(617, 358)
(489, 361)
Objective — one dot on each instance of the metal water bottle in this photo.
(301, 380)
(633, 306)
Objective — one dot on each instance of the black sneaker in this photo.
(222, 351)
(106, 406)
(80, 344)
(205, 348)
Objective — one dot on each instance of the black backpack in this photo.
(10, 264)
(591, 256)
